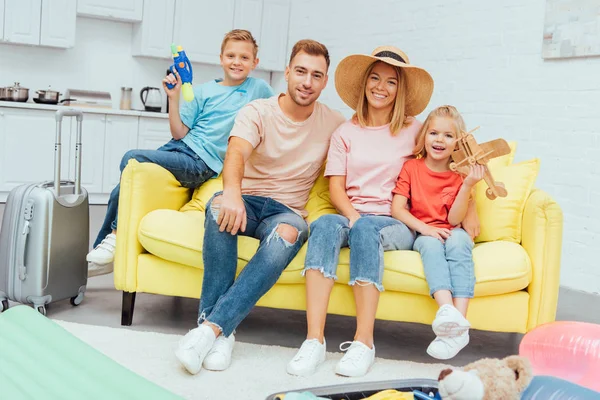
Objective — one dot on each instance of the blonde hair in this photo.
(310, 47)
(440, 112)
(398, 118)
(241, 35)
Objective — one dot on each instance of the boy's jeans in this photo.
(368, 238)
(226, 301)
(176, 157)
(449, 265)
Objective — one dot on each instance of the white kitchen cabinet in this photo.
(1, 20)
(58, 23)
(200, 26)
(27, 147)
(153, 133)
(119, 10)
(274, 34)
(121, 136)
(154, 35)
(248, 15)
(92, 150)
(22, 20)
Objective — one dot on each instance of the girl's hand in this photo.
(476, 173)
(439, 233)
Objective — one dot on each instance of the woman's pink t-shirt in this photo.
(371, 159)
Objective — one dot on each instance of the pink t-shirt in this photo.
(371, 158)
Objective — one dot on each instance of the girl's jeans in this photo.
(368, 238)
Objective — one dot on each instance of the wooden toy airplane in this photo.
(469, 152)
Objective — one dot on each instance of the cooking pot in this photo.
(48, 96)
(15, 93)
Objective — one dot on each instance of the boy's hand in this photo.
(476, 173)
(232, 215)
(439, 233)
(173, 79)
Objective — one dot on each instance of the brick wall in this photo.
(485, 58)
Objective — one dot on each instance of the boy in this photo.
(200, 131)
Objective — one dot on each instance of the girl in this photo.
(365, 157)
(438, 200)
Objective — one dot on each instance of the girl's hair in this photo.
(398, 119)
(440, 112)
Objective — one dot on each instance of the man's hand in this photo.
(232, 215)
(439, 233)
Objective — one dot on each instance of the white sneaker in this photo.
(104, 253)
(96, 270)
(357, 360)
(219, 356)
(449, 322)
(308, 358)
(446, 347)
(194, 347)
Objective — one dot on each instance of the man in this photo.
(276, 149)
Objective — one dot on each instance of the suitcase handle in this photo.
(21, 268)
(57, 149)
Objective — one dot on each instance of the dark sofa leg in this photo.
(127, 309)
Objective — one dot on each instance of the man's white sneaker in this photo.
(446, 347)
(194, 347)
(308, 358)
(219, 356)
(357, 360)
(449, 322)
(104, 253)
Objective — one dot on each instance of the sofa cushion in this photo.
(500, 267)
(501, 218)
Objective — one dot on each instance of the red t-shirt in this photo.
(430, 194)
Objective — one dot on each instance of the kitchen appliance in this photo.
(14, 93)
(48, 96)
(125, 98)
(151, 98)
(87, 98)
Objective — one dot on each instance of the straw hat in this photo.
(351, 70)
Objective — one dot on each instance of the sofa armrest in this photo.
(542, 239)
(144, 187)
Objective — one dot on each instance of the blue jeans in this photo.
(176, 157)
(449, 265)
(226, 301)
(368, 238)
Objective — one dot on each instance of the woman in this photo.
(365, 157)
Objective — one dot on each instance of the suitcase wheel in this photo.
(4, 305)
(41, 310)
(75, 301)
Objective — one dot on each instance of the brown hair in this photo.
(398, 118)
(311, 47)
(440, 112)
(241, 35)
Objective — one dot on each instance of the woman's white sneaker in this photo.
(449, 322)
(219, 356)
(194, 347)
(357, 360)
(308, 358)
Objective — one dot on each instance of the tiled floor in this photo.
(394, 340)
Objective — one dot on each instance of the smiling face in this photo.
(382, 87)
(306, 76)
(238, 61)
(440, 138)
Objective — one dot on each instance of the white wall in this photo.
(485, 58)
(101, 60)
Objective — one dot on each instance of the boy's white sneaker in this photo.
(219, 356)
(194, 347)
(449, 322)
(104, 253)
(96, 270)
(446, 347)
(357, 360)
(308, 358)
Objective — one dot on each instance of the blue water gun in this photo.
(184, 68)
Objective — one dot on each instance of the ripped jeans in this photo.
(368, 238)
(226, 301)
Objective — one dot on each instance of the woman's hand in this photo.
(353, 219)
(439, 233)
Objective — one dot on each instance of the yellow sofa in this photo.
(160, 233)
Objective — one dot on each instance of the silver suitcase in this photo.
(44, 237)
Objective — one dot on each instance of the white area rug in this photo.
(255, 372)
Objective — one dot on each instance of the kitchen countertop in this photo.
(90, 110)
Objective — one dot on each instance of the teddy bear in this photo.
(486, 379)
